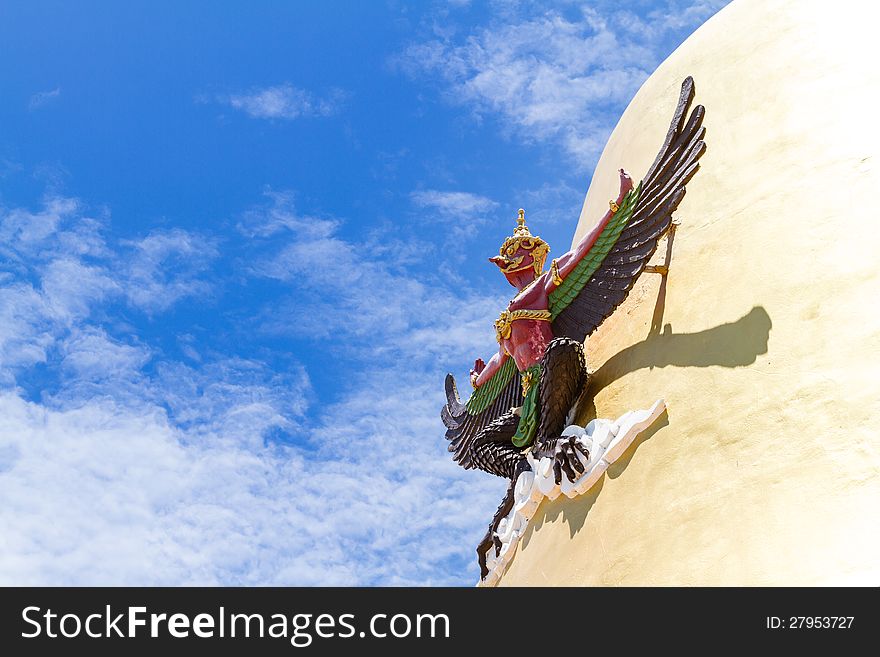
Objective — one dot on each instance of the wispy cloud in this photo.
(89, 353)
(462, 204)
(460, 211)
(559, 74)
(329, 274)
(552, 203)
(220, 469)
(42, 98)
(167, 266)
(284, 101)
(280, 215)
(59, 267)
(133, 499)
(27, 232)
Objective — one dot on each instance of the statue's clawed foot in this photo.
(568, 455)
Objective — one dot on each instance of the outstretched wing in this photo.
(464, 421)
(603, 278)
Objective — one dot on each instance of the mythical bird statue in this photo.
(523, 395)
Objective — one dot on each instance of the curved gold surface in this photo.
(765, 339)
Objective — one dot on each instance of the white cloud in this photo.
(89, 354)
(236, 397)
(67, 251)
(71, 288)
(46, 287)
(133, 468)
(329, 276)
(280, 215)
(60, 269)
(552, 203)
(25, 329)
(23, 230)
(283, 101)
(128, 495)
(550, 74)
(120, 499)
(165, 266)
(460, 210)
(43, 97)
(108, 494)
(458, 205)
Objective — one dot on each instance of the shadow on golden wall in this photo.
(734, 344)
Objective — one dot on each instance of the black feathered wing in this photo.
(497, 396)
(603, 278)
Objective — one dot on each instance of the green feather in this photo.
(578, 277)
(486, 393)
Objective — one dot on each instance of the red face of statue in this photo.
(520, 269)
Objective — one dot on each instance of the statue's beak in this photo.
(501, 261)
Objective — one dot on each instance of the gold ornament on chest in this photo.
(503, 325)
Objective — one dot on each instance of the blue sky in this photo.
(240, 246)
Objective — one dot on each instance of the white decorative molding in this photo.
(604, 440)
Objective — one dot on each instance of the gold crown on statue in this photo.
(521, 244)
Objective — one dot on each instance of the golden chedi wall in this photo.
(764, 339)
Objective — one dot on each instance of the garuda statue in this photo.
(523, 395)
